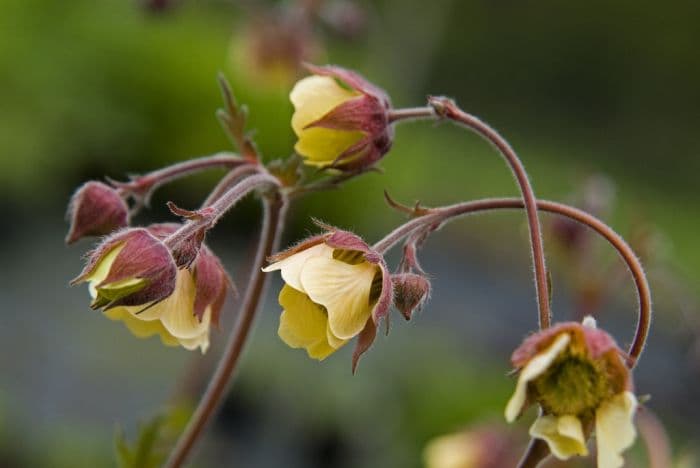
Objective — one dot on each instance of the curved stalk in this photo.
(440, 215)
(440, 107)
(273, 222)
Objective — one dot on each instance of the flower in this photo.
(341, 120)
(96, 209)
(483, 446)
(177, 305)
(576, 374)
(336, 288)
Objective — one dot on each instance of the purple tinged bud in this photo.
(411, 291)
(130, 268)
(96, 209)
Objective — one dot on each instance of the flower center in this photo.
(573, 385)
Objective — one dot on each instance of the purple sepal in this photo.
(143, 256)
(364, 341)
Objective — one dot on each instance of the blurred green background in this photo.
(90, 89)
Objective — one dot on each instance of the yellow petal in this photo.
(313, 97)
(141, 328)
(333, 340)
(343, 290)
(533, 369)
(303, 324)
(291, 266)
(201, 341)
(101, 271)
(177, 311)
(563, 434)
(614, 427)
(453, 451)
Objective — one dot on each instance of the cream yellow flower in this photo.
(481, 446)
(576, 374)
(336, 289)
(129, 276)
(340, 119)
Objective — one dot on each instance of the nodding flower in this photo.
(133, 278)
(575, 372)
(336, 288)
(341, 120)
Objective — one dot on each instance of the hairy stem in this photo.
(144, 184)
(440, 107)
(441, 215)
(209, 215)
(230, 180)
(273, 223)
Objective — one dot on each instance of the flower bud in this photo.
(341, 120)
(479, 447)
(336, 288)
(96, 209)
(130, 268)
(410, 293)
(576, 374)
(183, 316)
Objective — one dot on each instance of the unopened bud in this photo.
(341, 120)
(96, 209)
(130, 268)
(410, 293)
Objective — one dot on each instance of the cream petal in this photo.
(333, 340)
(343, 289)
(303, 323)
(563, 434)
(291, 266)
(533, 369)
(177, 313)
(101, 271)
(201, 341)
(141, 328)
(453, 451)
(615, 431)
(321, 146)
(313, 97)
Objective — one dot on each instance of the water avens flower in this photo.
(130, 268)
(187, 305)
(96, 209)
(576, 373)
(341, 120)
(335, 288)
(482, 446)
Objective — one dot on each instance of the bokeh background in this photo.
(601, 100)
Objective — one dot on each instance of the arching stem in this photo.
(274, 207)
(443, 108)
(441, 215)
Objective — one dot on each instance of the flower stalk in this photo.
(274, 213)
(438, 216)
(441, 107)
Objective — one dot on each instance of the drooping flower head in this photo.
(96, 209)
(576, 373)
(341, 120)
(336, 288)
(190, 301)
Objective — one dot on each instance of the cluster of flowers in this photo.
(337, 287)
(133, 276)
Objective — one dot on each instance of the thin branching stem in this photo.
(443, 214)
(443, 108)
(274, 207)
